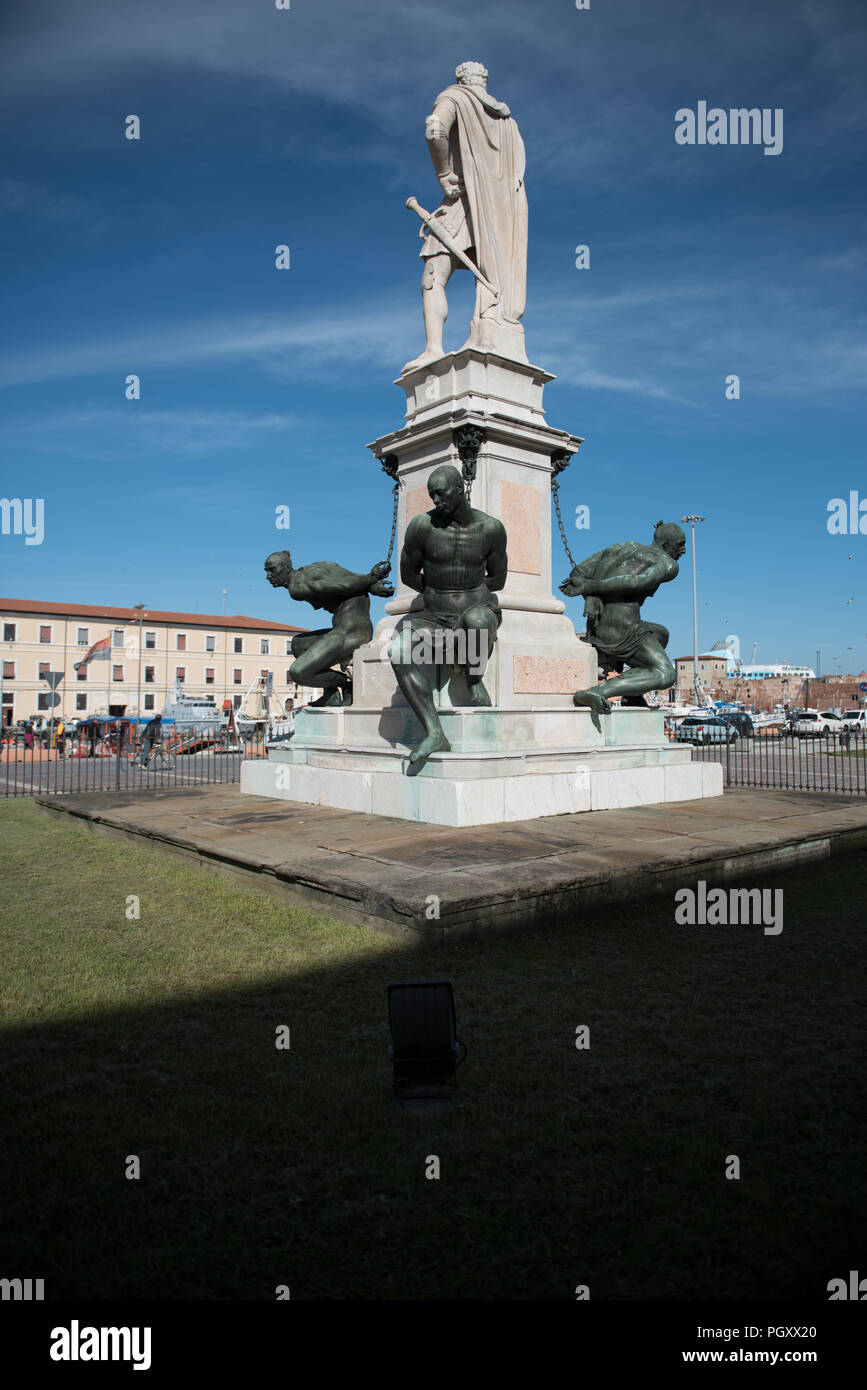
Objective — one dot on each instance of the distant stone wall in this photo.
(825, 692)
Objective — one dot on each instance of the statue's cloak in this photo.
(490, 163)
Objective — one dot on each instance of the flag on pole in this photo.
(100, 651)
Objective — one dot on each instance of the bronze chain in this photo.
(560, 460)
(389, 466)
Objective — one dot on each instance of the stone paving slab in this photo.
(381, 872)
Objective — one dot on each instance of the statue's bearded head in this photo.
(472, 74)
(670, 538)
(278, 568)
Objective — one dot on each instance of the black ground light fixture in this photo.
(424, 1049)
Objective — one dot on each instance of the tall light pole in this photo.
(140, 610)
(696, 685)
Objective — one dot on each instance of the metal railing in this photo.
(786, 763)
(103, 764)
(84, 764)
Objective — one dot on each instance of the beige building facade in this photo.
(142, 656)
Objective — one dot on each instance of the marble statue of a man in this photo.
(478, 157)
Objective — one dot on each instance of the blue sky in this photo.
(262, 387)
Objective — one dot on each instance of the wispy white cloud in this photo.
(58, 207)
(671, 340)
(133, 432)
(377, 60)
(367, 332)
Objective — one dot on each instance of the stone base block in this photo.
(537, 659)
(491, 731)
(593, 782)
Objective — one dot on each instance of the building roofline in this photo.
(33, 607)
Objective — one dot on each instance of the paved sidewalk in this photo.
(392, 874)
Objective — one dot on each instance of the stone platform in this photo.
(504, 765)
(544, 873)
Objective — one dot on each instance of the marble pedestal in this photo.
(533, 753)
(504, 765)
(538, 659)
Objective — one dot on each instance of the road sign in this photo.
(53, 678)
(52, 700)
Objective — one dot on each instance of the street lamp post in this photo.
(696, 684)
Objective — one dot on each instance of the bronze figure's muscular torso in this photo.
(346, 595)
(615, 582)
(455, 557)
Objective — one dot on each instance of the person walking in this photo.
(60, 738)
(28, 736)
(153, 732)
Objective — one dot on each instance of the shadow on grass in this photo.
(605, 1167)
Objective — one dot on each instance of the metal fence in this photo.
(811, 764)
(85, 764)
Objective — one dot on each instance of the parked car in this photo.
(739, 719)
(698, 729)
(855, 720)
(813, 723)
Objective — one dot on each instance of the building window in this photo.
(288, 646)
(182, 641)
(151, 641)
(8, 632)
(288, 677)
(237, 677)
(81, 673)
(209, 675)
(149, 701)
(150, 674)
(265, 674)
(42, 700)
(180, 674)
(44, 668)
(45, 632)
(83, 636)
(117, 637)
(264, 646)
(210, 644)
(8, 670)
(117, 673)
(8, 697)
(81, 701)
(236, 700)
(239, 644)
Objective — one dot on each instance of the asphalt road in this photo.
(26, 776)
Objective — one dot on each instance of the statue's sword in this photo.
(437, 230)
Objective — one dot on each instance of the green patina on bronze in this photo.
(455, 557)
(614, 583)
(327, 585)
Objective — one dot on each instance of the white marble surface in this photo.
(480, 801)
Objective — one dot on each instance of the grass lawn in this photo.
(259, 1167)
